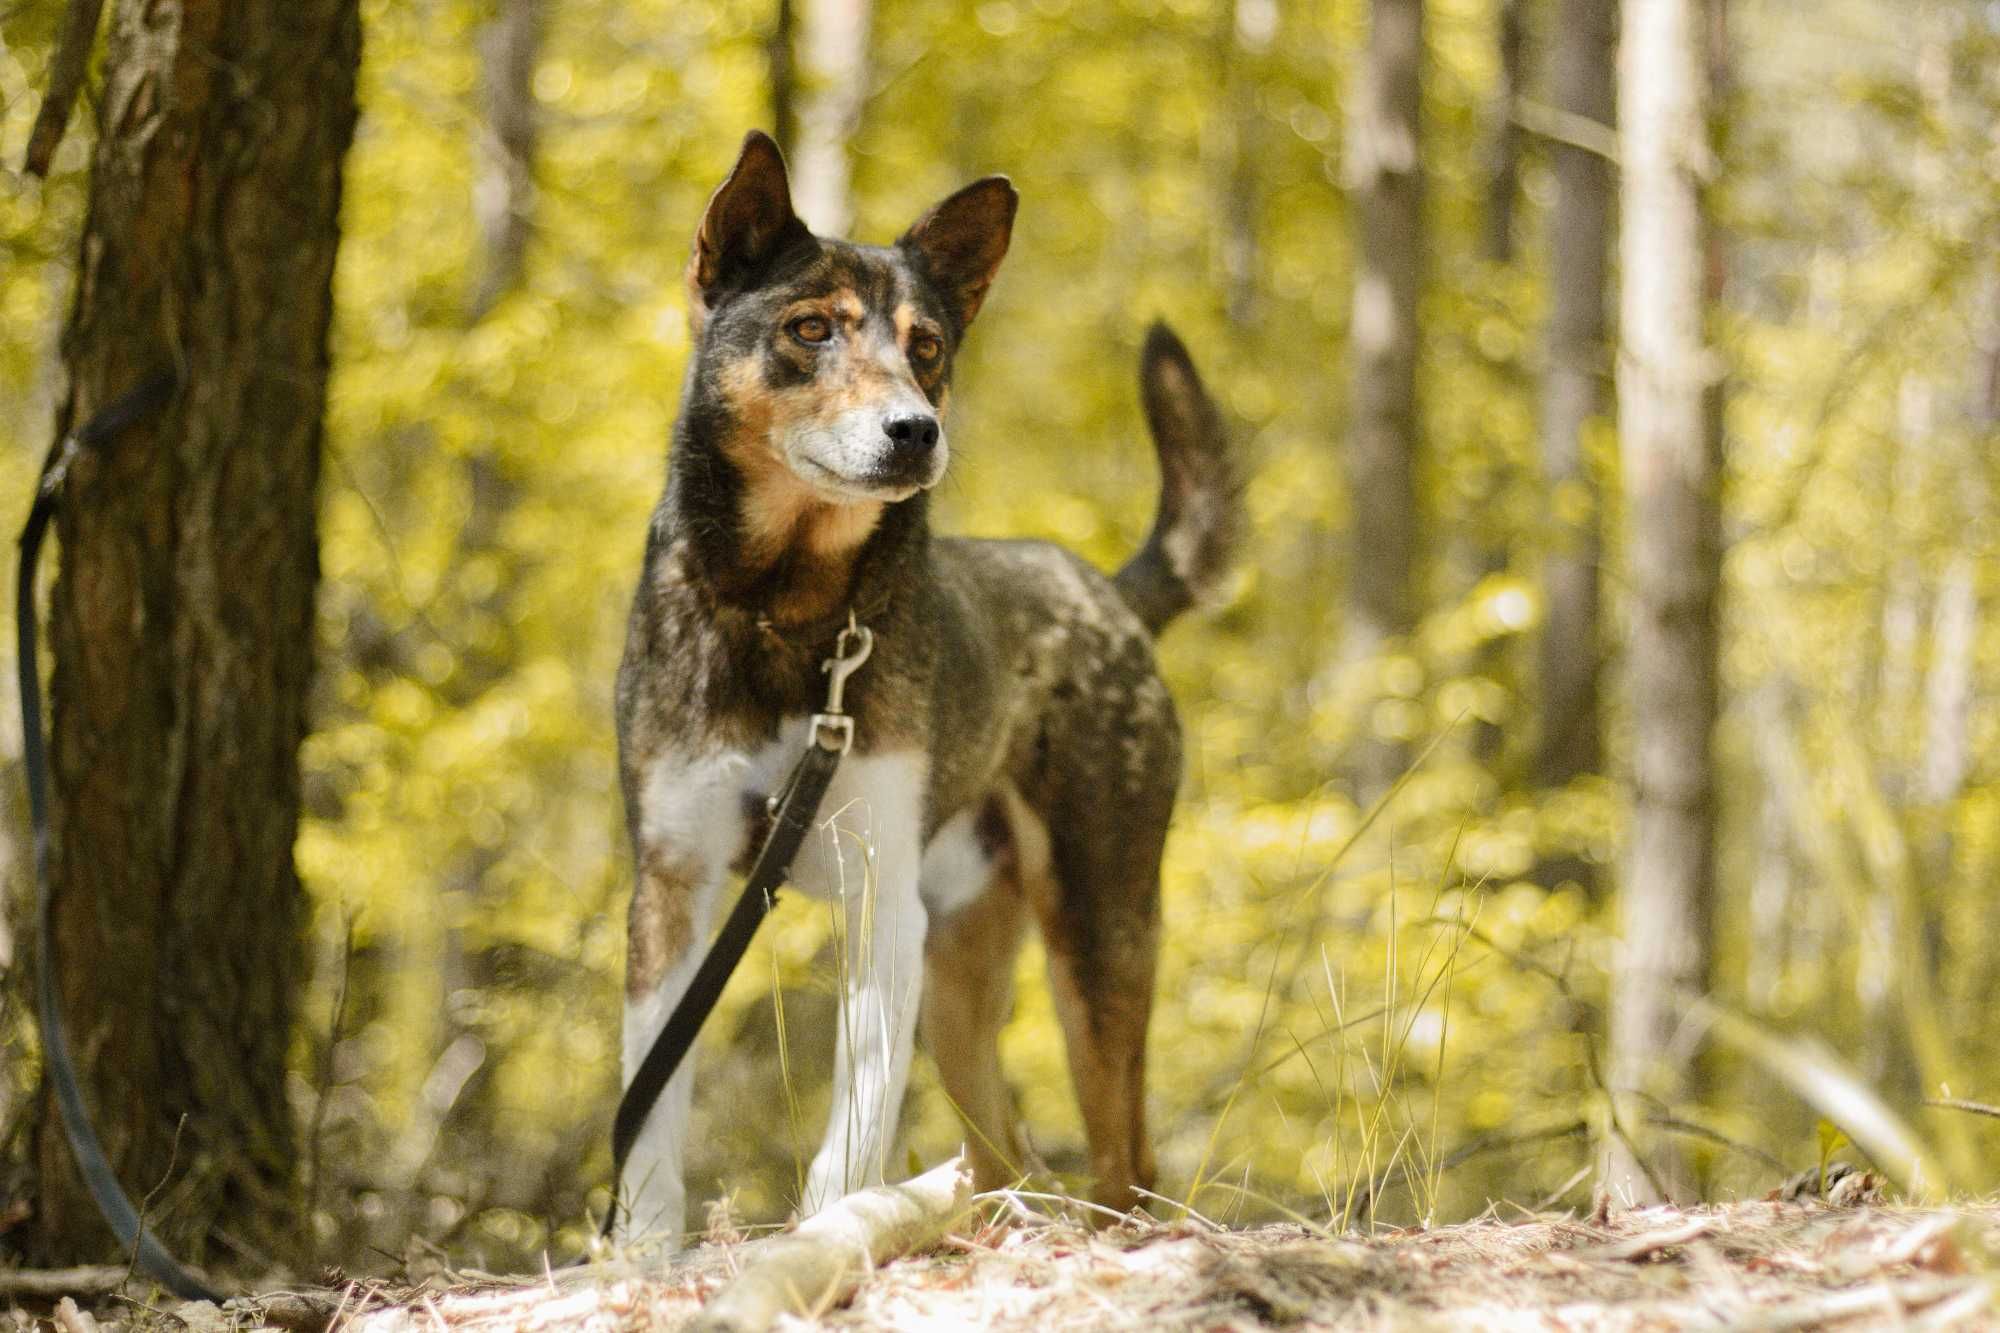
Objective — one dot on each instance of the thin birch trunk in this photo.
(1669, 399)
(833, 37)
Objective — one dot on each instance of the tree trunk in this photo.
(510, 44)
(1386, 185)
(1503, 135)
(1670, 426)
(834, 35)
(1251, 30)
(784, 77)
(1573, 397)
(182, 616)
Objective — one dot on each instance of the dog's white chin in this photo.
(838, 489)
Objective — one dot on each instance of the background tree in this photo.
(1385, 181)
(1583, 57)
(1670, 435)
(833, 37)
(1503, 145)
(510, 44)
(183, 611)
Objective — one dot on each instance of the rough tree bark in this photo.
(1573, 396)
(1669, 400)
(503, 198)
(182, 615)
(834, 38)
(1385, 182)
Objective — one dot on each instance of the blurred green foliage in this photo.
(1333, 1007)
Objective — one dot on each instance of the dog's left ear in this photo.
(960, 243)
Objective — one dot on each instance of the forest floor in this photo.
(1763, 1265)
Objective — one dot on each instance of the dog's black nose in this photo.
(914, 435)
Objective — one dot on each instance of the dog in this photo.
(1015, 752)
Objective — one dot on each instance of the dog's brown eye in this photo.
(926, 348)
(812, 329)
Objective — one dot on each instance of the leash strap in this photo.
(793, 810)
(116, 1206)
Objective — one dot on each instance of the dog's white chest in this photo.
(870, 821)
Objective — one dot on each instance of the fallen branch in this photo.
(812, 1268)
(48, 1284)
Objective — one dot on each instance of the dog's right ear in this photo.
(749, 220)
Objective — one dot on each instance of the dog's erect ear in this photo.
(961, 242)
(749, 220)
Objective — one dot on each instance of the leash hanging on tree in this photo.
(792, 810)
(152, 1258)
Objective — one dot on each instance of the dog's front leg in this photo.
(670, 915)
(881, 987)
(687, 827)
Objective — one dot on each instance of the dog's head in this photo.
(830, 360)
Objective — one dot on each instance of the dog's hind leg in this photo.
(1100, 921)
(1103, 989)
(968, 994)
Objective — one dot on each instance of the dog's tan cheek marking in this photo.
(773, 498)
(660, 926)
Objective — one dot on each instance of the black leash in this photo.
(792, 810)
(151, 394)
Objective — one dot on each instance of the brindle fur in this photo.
(1024, 675)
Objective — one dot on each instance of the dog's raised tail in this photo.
(1195, 532)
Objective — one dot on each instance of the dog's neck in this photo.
(765, 549)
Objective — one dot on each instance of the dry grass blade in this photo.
(1817, 1075)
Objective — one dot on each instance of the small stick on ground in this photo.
(820, 1263)
(1652, 1242)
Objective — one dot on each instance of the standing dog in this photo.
(1015, 751)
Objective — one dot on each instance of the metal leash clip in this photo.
(833, 729)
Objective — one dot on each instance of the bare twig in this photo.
(67, 67)
(315, 1135)
(1961, 1104)
(1567, 127)
(146, 1204)
(1675, 1124)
